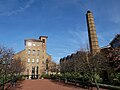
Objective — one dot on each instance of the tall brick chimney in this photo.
(93, 40)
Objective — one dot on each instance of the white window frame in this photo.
(37, 60)
(33, 60)
(34, 44)
(33, 52)
(29, 44)
(28, 60)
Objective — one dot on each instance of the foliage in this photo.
(45, 76)
(102, 67)
(115, 79)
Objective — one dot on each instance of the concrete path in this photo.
(44, 85)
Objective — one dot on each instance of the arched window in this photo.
(33, 52)
(29, 51)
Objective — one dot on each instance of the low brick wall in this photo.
(111, 87)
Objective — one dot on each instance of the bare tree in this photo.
(5, 58)
(54, 67)
(17, 66)
(8, 65)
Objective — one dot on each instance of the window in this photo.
(38, 45)
(28, 60)
(33, 60)
(43, 62)
(38, 52)
(34, 45)
(28, 51)
(47, 64)
(43, 40)
(37, 71)
(37, 61)
(33, 52)
(29, 44)
(33, 71)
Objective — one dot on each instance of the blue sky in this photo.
(63, 21)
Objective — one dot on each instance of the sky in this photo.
(63, 21)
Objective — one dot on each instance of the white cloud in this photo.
(20, 8)
(78, 38)
(100, 37)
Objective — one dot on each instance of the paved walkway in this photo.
(44, 85)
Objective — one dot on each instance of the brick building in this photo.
(115, 43)
(35, 57)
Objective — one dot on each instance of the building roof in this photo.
(118, 35)
(20, 52)
(68, 57)
(33, 40)
(43, 36)
(108, 46)
(89, 11)
(72, 55)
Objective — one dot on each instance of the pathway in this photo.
(44, 85)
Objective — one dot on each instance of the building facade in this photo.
(35, 57)
(93, 40)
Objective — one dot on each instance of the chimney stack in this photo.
(93, 40)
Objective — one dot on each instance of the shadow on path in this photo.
(66, 85)
(17, 86)
(73, 85)
(45, 84)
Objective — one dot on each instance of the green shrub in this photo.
(45, 76)
(98, 78)
(115, 79)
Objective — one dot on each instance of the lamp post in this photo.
(47, 66)
(65, 78)
(94, 78)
